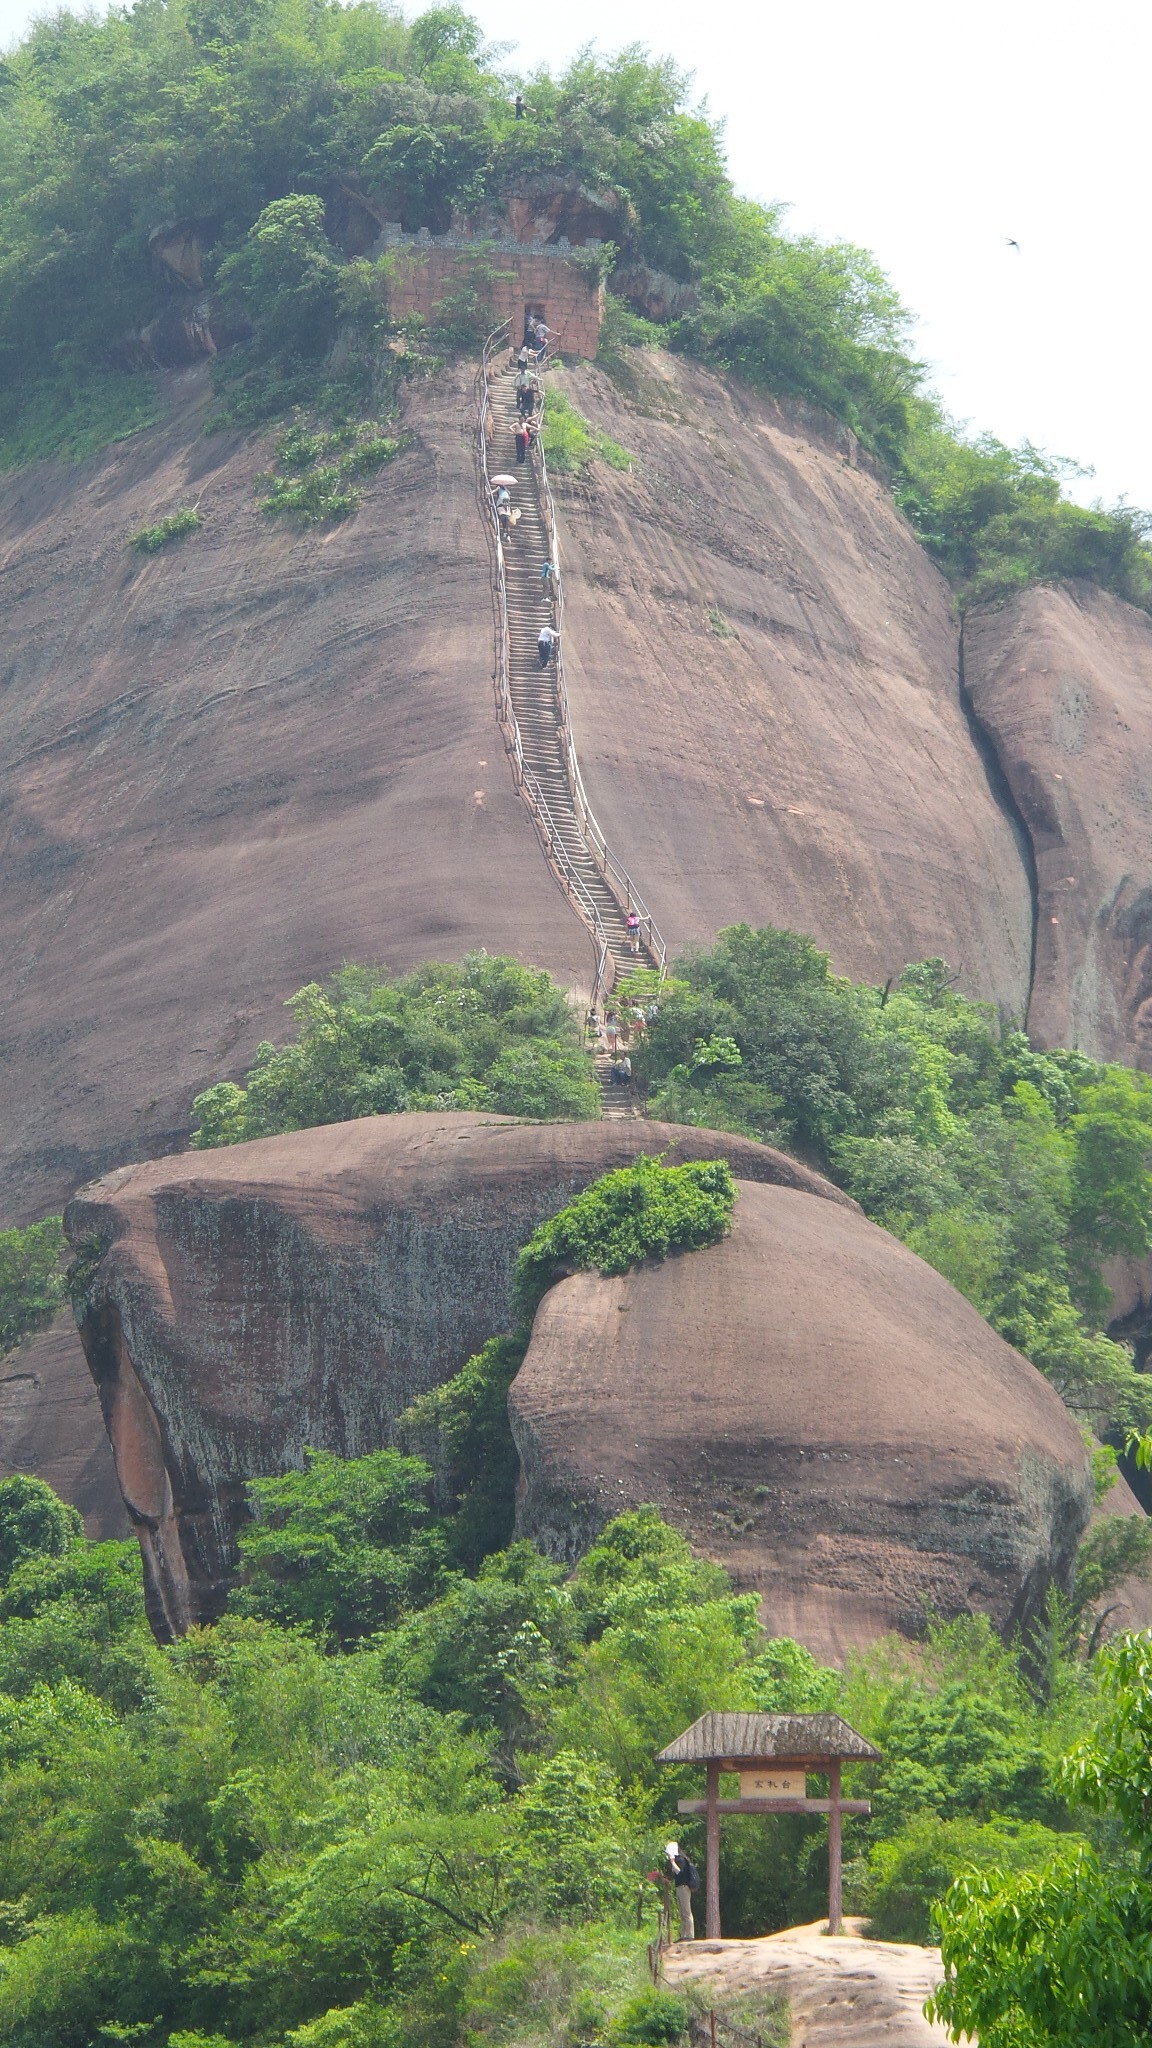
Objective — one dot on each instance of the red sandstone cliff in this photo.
(850, 1450)
(231, 766)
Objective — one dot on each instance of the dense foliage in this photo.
(420, 1807)
(1061, 1957)
(487, 1034)
(261, 122)
(31, 1279)
(1017, 1174)
(642, 1211)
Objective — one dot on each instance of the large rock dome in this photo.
(818, 1411)
(244, 1304)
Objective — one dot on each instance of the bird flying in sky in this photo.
(1011, 244)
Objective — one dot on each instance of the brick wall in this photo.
(570, 301)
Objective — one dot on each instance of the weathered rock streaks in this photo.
(247, 1303)
(762, 665)
(848, 1449)
(851, 1448)
(1061, 681)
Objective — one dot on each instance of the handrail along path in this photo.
(532, 702)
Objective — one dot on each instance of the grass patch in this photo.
(321, 469)
(150, 539)
(571, 443)
(70, 419)
(718, 624)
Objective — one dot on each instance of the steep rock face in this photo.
(817, 1410)
(763, 670)
(300, 1291)
(51, 1426)
(229, 767)
(1061, 680)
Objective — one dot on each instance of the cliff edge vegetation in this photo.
(228, 167)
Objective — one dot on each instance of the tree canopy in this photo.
(1017, 1174)
(1059, 1957)
(419, 1806)
(31, 1279)
(254, 125)
(487, 1034)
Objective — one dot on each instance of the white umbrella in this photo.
(509, 482)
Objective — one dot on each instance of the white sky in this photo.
(929, 135)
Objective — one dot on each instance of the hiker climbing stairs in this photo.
(535, 694)
(616, 1101)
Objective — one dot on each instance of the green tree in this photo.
(573, 1839)
(286, 277)
(34, 1522)
(31, 1279)
(487, 1034)
(344, 1547)
(1060, 1958)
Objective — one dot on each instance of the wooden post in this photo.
(712, 1875)
(835, 1885)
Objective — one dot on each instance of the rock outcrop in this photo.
(851, 1992)
(763, 670)
(809, 1402)
(228, 767)
(51, 1426)
(1061, 681)
(816, 1409)
(233, 765)
(246, 1303)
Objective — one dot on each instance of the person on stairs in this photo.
(523, 436)
(525, 395)
(546, 643)
(546, 575)
(633, 923)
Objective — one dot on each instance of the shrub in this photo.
(323, 468)
(570, 443)
(908, 1874)
(651, 2019)
(486, 1033)
(639, 1212)
(150, 539)
(34, 1522)
(31, 1279)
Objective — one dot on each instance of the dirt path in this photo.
(845, 1993)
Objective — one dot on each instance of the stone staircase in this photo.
(533, 690)
(616, 1101)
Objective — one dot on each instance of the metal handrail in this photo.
(614, 874)
(526, 782)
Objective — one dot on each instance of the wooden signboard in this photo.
(770, 1784)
